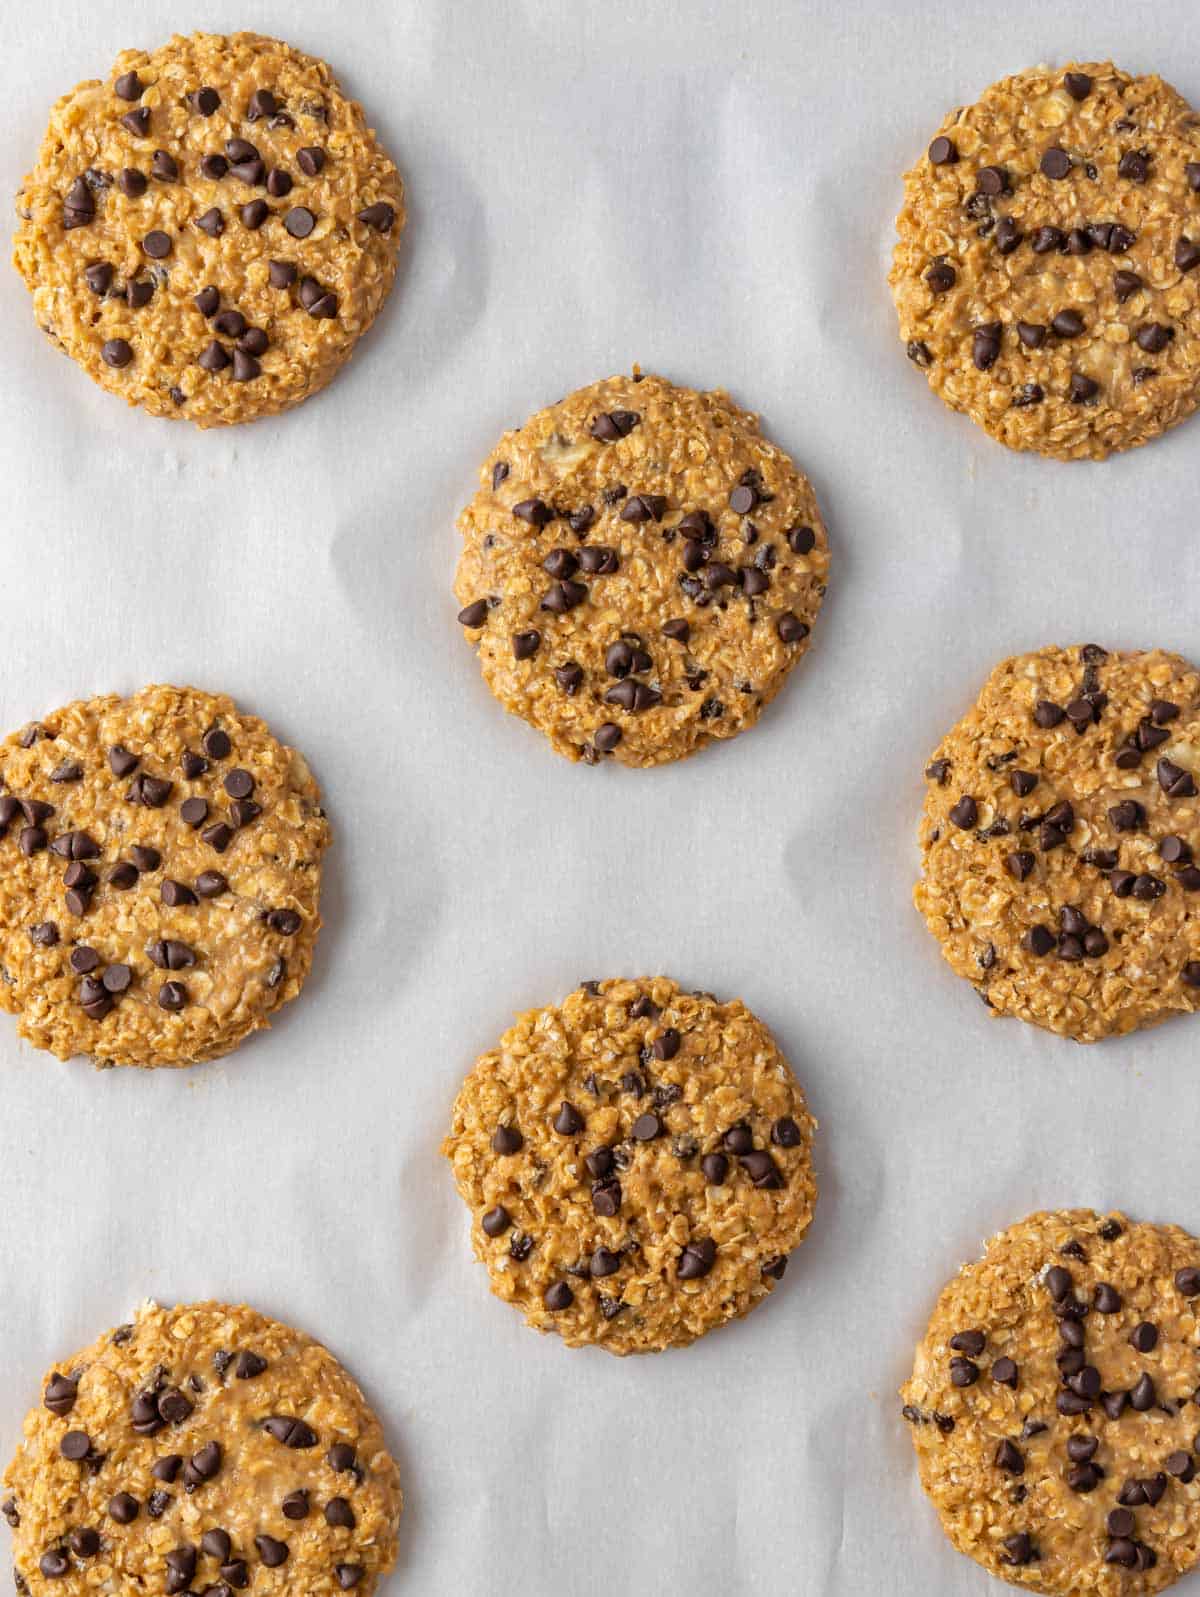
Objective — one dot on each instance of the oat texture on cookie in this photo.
(201, 1448)
(1060, 840)
(210, 229)
(637, 1163)
(1046, 270)
(161, 877)
(1052, 1405)
(640, 570)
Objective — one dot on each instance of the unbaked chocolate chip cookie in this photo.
(160, 880)
(641, 569)
(210, 230)
(202, 1448)
(637, 1162)
(1046, 272)
(1053, 1405)
(1061, 836)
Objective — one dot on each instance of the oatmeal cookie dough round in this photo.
(637, 1162)
(203, 1447)
(1052, 1405)
(640, 570)
(1046, 271)
(1060, 840)
(210, 229)
(161, 877)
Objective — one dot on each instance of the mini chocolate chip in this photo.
(697, 1259)
(969, 1342)
(943, 151)
(216, 1543)
(715, 1168)
(1153, 337)
(380, 216)
(965, 813)
(791, 629)
(83, 1541)
(60, 1394)
(568, 1122)
(1083, 388)
(172, 996)
(348, 1575)
(338, 1512)
(292, 1433)
(1187, 254)
(1107, 1299)
(1055, 163)
(496, 1221)
(941, 277)
(507, 1140)
(137, 122)
(99, 277)
(164, 167)
(1009, 1458)
(116, 352)
(294, 1506)
(1004, 1370)
(1174, 780)
(1018, 1550)
(273, 1553)
(1142, 1396)
(341, 1458)
(75, 1445)
(785, 1133)
(558, 1297)
(1067, 324)
(1125, 284)
(282, 274)
(177, 894)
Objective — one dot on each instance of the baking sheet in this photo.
(709, 190)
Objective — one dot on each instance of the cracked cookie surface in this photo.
(637, 1162)
(161, 882)
(1047, 273)
(210, 229)
(1052, 1405)
(1060, 840)
(640, 570)
(203, 1447)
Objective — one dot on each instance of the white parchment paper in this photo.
(707, 189)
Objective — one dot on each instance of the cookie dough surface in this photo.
(637, 1162)
(1060, 840)
(210, 229)
(640, 570)
(1052, 1405)
(1047, 274)
(161, 877)
(201, 1448)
